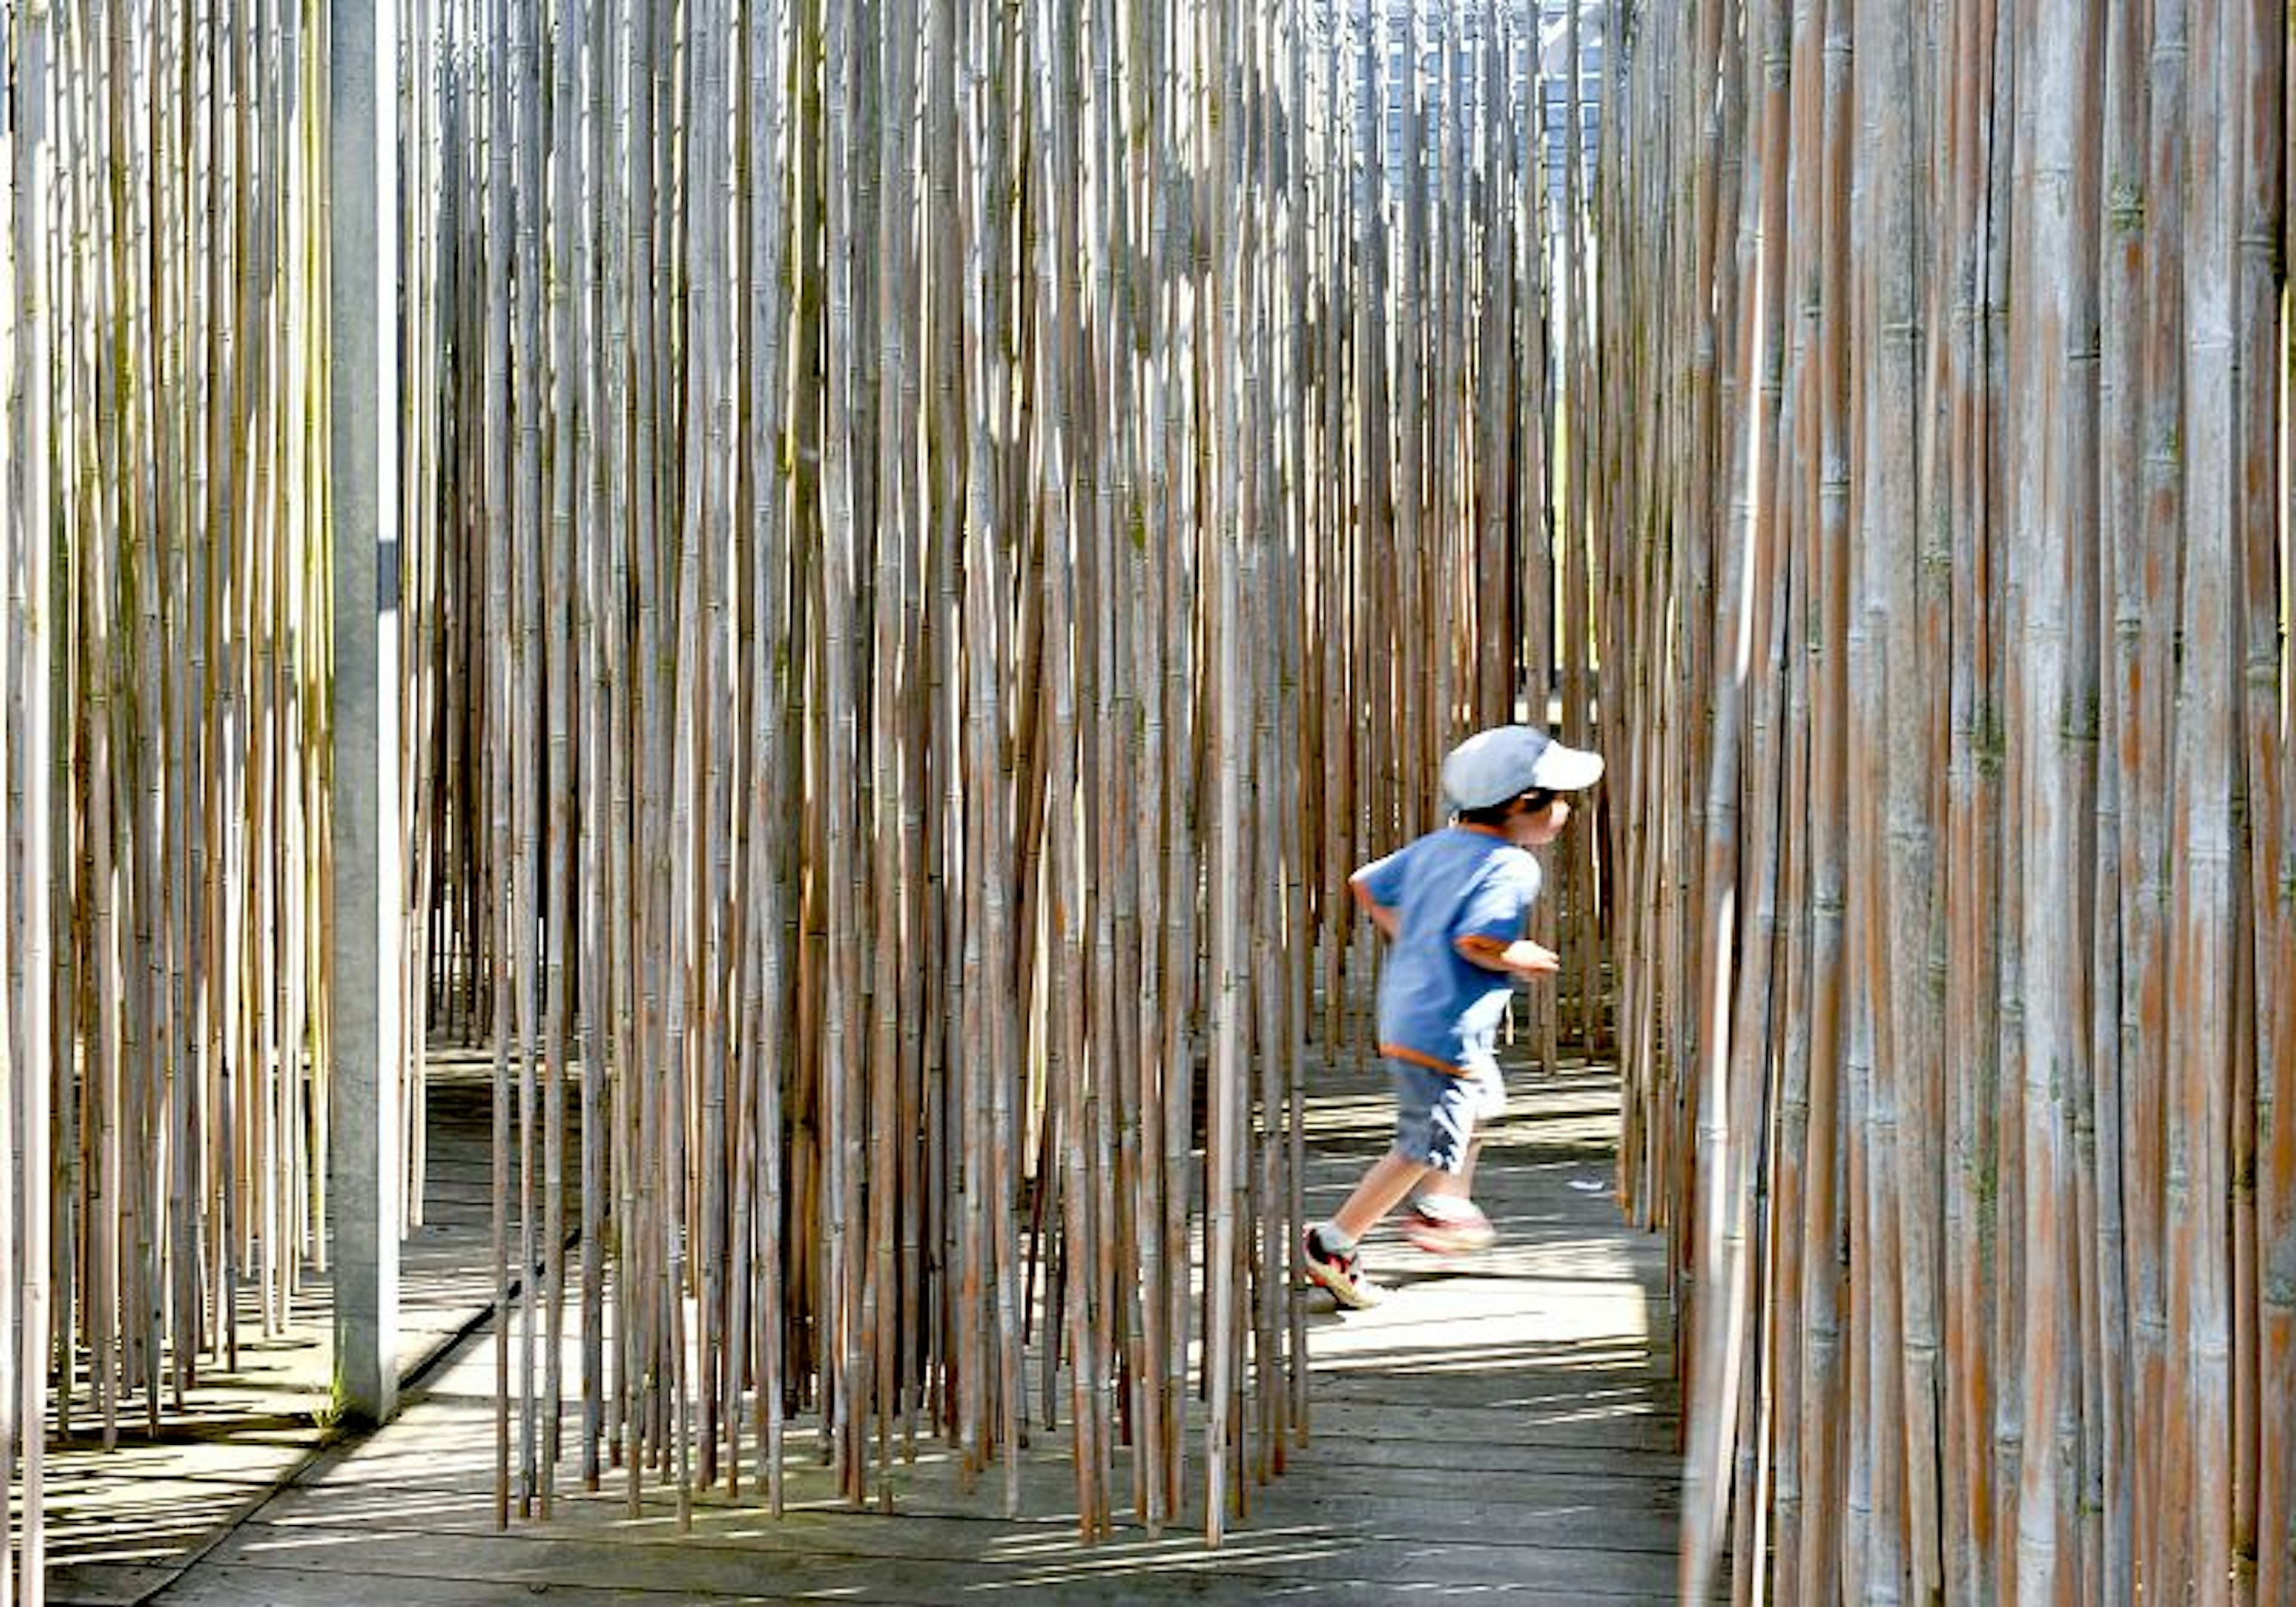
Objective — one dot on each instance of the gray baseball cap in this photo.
(1505, 761)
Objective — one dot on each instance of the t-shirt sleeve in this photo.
(1502, 896)
(1383, 878)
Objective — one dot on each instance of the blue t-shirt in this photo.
(1436, 1006)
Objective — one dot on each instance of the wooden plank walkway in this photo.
(122, 1523)
(1505, 1427)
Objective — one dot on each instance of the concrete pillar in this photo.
(367, 1027)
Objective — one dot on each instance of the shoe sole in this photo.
(1449, 1241)
(1354, 1294)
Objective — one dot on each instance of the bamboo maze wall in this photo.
(936, 534)
(1947, 519)
(164, 1052)
(977, 518)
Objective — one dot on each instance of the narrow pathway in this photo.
(122, 1523)
(1504, 1425)
(1503, 1428)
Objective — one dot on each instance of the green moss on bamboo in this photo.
(2125, 211)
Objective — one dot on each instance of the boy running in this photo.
(1452, 903)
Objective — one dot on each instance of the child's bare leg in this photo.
(1381, 1189)
(1445, 1221)
(1458, 1184)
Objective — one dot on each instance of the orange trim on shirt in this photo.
(1480, 943)
(1398, 1051)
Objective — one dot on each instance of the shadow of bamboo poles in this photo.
(1981, 1215)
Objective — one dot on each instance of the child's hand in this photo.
(1523, 959)
(1527, 959)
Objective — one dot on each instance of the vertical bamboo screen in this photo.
(1948, 537)
(164, 723)
(166, 691)
(948, 529)
(937, 532)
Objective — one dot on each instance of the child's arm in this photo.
(1521, 959)
(1382, 915)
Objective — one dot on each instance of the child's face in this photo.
(1533, 828)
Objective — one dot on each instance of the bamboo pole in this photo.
(2272, 776)
(32, 649)
(13, 793)
(768, 118)
(2200, 777)
(2259, 188)
(1229, 1016)
(594, 609)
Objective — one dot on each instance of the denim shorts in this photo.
(1436, 1113)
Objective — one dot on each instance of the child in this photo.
(1452, 903)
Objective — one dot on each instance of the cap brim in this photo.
(1560, 769)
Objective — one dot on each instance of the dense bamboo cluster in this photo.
(936, 534)
(165, 709)
(1951, 562)
(164, 733)
(941, 532)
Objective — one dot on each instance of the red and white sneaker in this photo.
(1442, 1224)
(1343, 1273)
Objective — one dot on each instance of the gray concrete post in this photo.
(367, 1028)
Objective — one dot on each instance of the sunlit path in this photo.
(1504, 1426)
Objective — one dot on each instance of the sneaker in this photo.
(1343, 1274)
(1447, 1226)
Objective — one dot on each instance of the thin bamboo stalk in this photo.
(30, 650)
(499, 569)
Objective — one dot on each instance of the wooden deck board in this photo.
(122, 1523)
